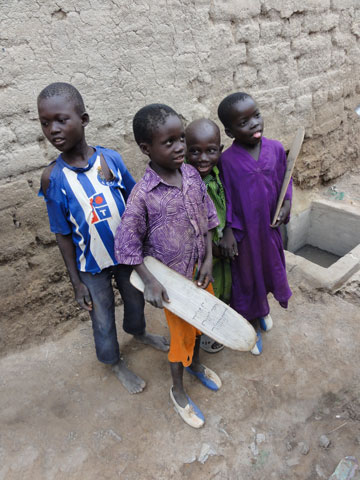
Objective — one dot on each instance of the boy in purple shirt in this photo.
(169, 216)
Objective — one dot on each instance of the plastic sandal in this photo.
(207, 378)
(266, 323)
(191, 414)
(209, 345)
(258, 346)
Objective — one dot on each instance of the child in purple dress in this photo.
(252, 171)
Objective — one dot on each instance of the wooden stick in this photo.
(291, 159)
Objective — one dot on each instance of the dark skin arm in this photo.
(204, 276)
(283, 214)
(67, 249)
(154, 292)
(216, 251)
(228, 246)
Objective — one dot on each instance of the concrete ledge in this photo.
(331, 278)
(333, 227)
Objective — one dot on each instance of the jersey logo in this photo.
(101, 177)
(99, 207)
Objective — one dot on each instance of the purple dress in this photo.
(252, 189)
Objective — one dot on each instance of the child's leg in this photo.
(104, 328)
(102, 315)
(206, 376)
(134, 318)
(177, 371)
(182, 341)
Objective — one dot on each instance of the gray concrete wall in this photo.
(332, 227)
(299, 59)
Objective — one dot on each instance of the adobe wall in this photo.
(299, 59)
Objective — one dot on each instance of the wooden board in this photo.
(291, 159)
(199, 308)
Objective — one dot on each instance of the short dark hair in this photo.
(148, 119)
(66, 90)
(225, 106)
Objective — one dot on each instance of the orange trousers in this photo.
(182, 337)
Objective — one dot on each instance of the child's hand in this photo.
(216, 251)
(204, 276)
(82, 296)
(283, 214)
(228, 245)
(155, 293)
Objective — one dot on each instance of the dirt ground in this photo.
(64, 415)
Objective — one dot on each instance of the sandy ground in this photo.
(63, 415)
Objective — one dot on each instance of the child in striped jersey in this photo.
(85, 190)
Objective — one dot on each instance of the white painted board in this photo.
(199, 308)
(291, 159)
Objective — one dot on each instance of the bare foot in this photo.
(156, 341)
(130, 381)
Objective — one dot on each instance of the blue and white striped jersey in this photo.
(81, 202)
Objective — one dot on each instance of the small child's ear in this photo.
(221, 148)
(144, 147)
(85, 119)
(228, 133)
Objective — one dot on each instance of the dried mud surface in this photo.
(63, 415)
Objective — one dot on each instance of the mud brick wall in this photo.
(299, 59)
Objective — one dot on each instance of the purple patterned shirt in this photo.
(167, 223)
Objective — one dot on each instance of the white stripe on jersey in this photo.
(97, 247)
(92, 174)
(81, 245)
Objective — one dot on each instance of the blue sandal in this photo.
(258, 345)
(191, 413)
(208, 378)
(266, 323)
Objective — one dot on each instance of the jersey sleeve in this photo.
(132, 230)
(56, 204)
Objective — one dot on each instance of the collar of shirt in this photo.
(152, 179)
(91, 162)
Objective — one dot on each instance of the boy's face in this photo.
(203, 147)
(246, 123)
(61, 123)
(167, 149)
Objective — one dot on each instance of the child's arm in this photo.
(204, 276)
(228, 245)
(154, 291)
(67, 249)
(283, 214)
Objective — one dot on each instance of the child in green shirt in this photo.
(203, 152)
